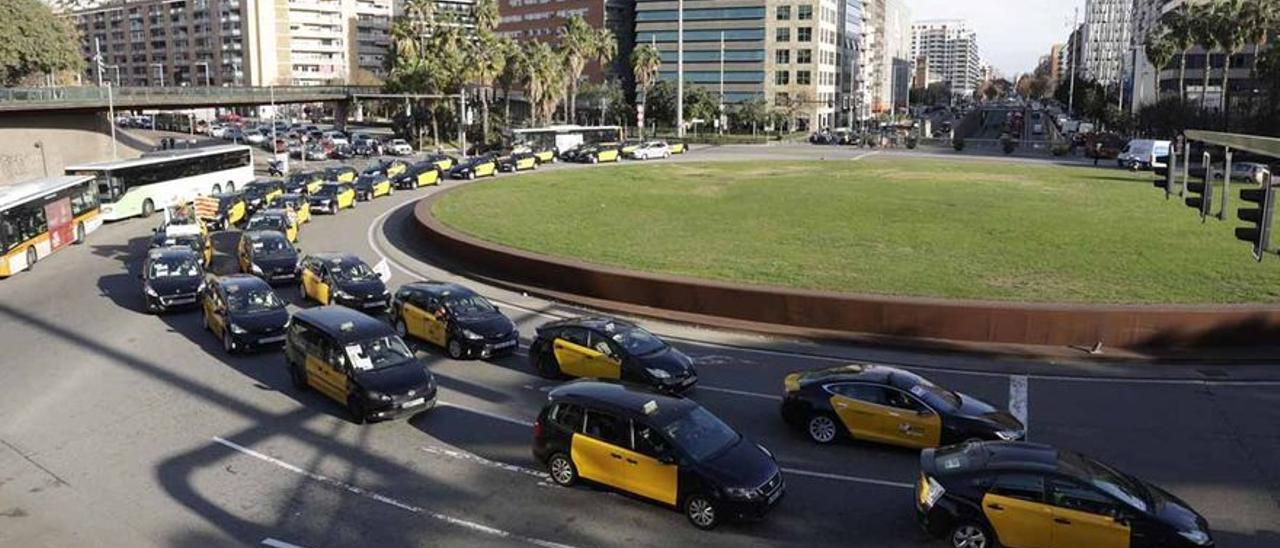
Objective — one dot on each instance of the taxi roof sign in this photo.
(650, 407)
(347, 326)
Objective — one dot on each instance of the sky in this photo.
(1012, 34)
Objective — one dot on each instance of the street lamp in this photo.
(44, 160)
(111, 118)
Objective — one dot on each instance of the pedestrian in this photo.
(1097, 152)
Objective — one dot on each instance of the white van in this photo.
(1142, 154)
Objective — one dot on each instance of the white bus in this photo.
(166, 178)
(564, 137)
(40, 217)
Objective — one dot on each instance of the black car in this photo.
(244, 313)
(454, 318)
(418, 174)
(1026, 494)
(475, 166)
(342, 278)
(301, 182)
(609, 348)
(358, 362)
(258, 194)
(268, 255)
(889, 405)
(517, 161)
(442, 161)
(171, 278)
(341, 174)
(664, 448)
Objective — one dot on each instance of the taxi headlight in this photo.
(237, 329)
(342, 294)
(1009, 435)
(742, 493)
(1196, 536)
(255, 268)
(149, 291)
(661, 374)
(379, 396)
(201, 288)
(471, 335)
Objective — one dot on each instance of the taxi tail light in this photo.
(791, 383)
(537, 428)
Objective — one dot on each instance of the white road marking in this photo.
(489, 414)
(851, 479)
(833, 359)
(278, 543)
(477, 459)
(739, 392)
(864, 155)
(359, 491)
(1018, 401)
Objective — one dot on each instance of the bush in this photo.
(958, 144)
(1061, 149)
(1008, 145)
(911, 142)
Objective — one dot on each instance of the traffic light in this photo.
(1164, 175)
(1259, 234)
(1201, 195)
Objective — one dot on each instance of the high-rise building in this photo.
(232, 42)
(1057, 61)
(894, 88)
(951, 50)
(540, 20)
(1107, 31)
(848, 57)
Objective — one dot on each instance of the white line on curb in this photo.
(359, 491)
(1018, 401)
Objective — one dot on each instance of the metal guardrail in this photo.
(16, 97)
(1266, 146)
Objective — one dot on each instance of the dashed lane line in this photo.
(372, 495)
(275, 543)
(738, 392)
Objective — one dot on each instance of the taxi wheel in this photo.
(563, 472)
(148, 208)
(471, 176)
(547, 369)
(401, 329)
(455, 349)
(79, 233)
(217, 189)
(970, 535)
(302, 291)
(595, 160)
(296, 375)
(822, 429)
(205, 316)
(701, 511)
(32, 257)
(357, 410)
(333, 209)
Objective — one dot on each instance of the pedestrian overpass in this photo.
(95, 98)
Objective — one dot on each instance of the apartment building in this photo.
(542, 20)
(893, 90)
(848, 59)
(1106, 41)
(232, 42)
(951, 50)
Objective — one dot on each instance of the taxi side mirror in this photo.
(924, 412)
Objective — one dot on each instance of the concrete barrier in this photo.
(66, 138)
(1126, 326)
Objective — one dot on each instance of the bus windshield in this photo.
(110, 189)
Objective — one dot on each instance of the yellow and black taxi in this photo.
(341, 174)
(258, 194)
(332, 197)
(443, 162)
(221, 211)
(357, 361)
(244, 313)
(592, 154)
(276, 219)
(268, 255)
(171, 278)
(517, 161)
(629, 147)
(371, 185)
(297, 207)
(342, 278)
(544, 155)
(453, 317)
(303, 182)
(484, 165)
(676, 147)
(1025, 495)
(417, 175)
(609, 348)
(664, 448)
(185, 235)
(390, 168)
(889, 405)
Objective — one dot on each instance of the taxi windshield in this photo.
(353, 272)
(377, 353)
(258, 299)
(256, 189)
(700, 434)
(174, 268)
(327, 190)
(266, 221)
(195, 243)
(271, 246)
(1111, 481)
(468, 305)
(638, 342)
(936, 396)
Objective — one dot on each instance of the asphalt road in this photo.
(126, 429)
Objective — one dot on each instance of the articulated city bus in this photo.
(183, 122)
(562, 138)
(156, 180)
(42, 216)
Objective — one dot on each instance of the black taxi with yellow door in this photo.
(267, 254)
(342, 278)
(889, 405)
(340, 174)
(244, 313)
(260, 193)
(417, 175)
(664, 448)
(453, 317)
(1025, 495)
(358, 362)
(610, 348)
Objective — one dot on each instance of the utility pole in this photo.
(97, 60)
(111, 115)
(462, 121)
(680, 69)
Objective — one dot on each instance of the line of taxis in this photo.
(623, 419)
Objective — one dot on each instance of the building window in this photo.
(782, 56)
(782, 78)
(804, 56)
(802, 77)
(783, 35)
(803, 34)
(784, 13)
(804, 13)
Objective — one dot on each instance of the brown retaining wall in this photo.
(1127, 326)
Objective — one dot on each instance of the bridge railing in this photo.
(145, 94)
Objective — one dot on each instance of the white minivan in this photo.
(1142, 154)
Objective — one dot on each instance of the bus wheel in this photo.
(217, 189)
(148, 207)
(79, 233)
(31, 257)
(231, 187)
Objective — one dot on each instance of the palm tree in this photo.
(1204, 26)
(405, 41)
(1231, 36)
(1159, 49)
(606, 48)
(1257, 18)
(645, 62)
(545, 80)
(486, 61)
(421, 13)
(1178, 25)
(514, 67)
(486, 15)
(577, 44)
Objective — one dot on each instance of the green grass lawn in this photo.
(895, 226)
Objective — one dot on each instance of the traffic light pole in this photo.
(1260, 234)
(1186, 170)
(1226, 187)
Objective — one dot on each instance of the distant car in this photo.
(258, 194)
(341, 174)
(677, 147)
(517, 161)
(303, 182)
(418, 175)
(297, 206)
(254, 137)
(544, 155)
(629, 146)
(337, 138)
(342, 278)
(390, 168)
(443, 162)
(341, 153)
(372, 185)
(399, 147)
(610, 348)
(476, 166)
(593, 154)
(454, 318)
(276, 219)
(316, 153)
(190, 236)
(332, 197)
(651, 150)
(1142, 154)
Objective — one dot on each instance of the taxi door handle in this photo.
(995, 506)
(616, 456)
(1064, 521)
(632, 461)
(842, 405)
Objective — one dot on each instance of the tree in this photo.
(752, 113)
(1204, 31)
(645, 62)
(545, 80)
(36, 41)
(486, 16)
(1178, 26)
(660, 103)
(606, 48)
(577, 44)
(1232, 37)
(1257, 18)
(486, 62)
(699, 102)
(514, 69)
(1159, 48)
